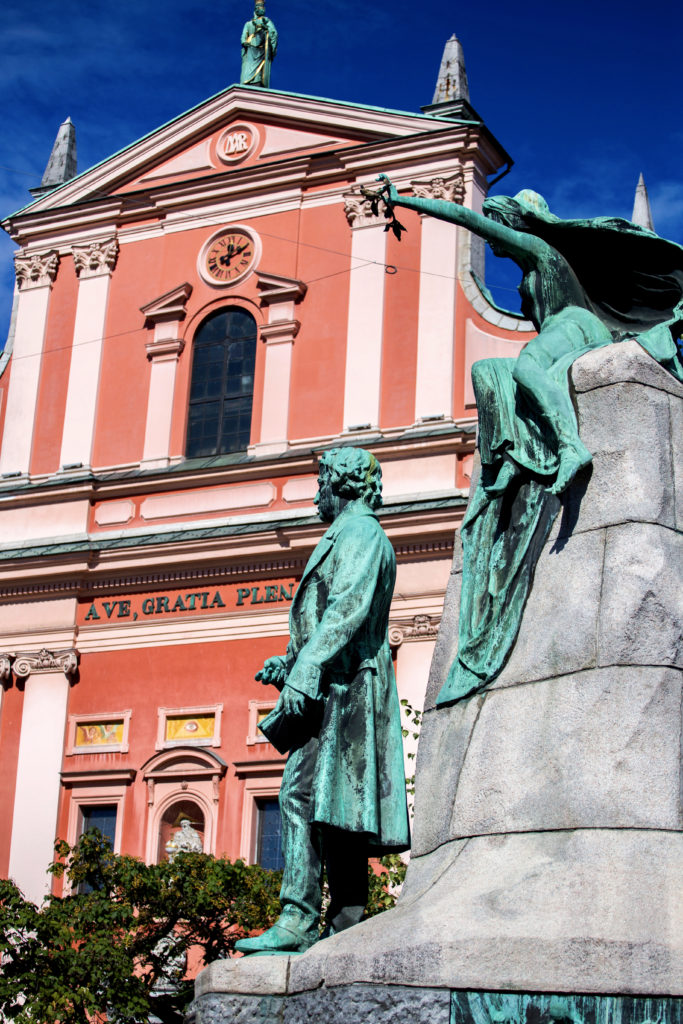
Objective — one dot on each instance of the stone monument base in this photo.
(262, 991)
(546, 874)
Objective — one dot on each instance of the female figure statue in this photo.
(586, 283)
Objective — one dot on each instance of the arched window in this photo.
(170, 824)
(222, 389)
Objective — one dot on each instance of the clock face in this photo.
(229, 256)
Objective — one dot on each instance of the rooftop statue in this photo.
(259, 46)
(343, 794)
(586, 283)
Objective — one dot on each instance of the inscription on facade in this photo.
(228, 598)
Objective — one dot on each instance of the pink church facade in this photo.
(196, 319)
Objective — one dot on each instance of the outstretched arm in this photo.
(516, 243)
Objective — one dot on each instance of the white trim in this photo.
(103, 748)
(163, 714)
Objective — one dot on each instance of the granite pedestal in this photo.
(548, 838)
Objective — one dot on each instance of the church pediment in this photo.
(239, 128)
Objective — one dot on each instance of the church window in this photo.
(269, 842)
(222, 387)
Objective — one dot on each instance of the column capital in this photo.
(96, 259)
(451, 189)
(280, 331)
(36, 662)
(5, 667)
(358, 210)
(36, 269)
(420, 627)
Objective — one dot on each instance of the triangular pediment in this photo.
(239, 128)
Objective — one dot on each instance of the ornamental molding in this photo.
(420, 627)
(164, 349)
(274, 288)
(96, 258)
(281, 330)
(5, 667)
(36, 270)
(169, 307)
(451, 189)
(37, 662)
(358, 210)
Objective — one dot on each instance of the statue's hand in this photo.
(273, 672)
(293, 703)
(389, 190)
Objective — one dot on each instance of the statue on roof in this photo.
(259, 46)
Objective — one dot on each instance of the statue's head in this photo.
(259, 8)
(347, 474)
(518, 212)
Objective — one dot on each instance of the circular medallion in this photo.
(228, 256)
(236, 143)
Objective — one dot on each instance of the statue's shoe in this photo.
(280, 938)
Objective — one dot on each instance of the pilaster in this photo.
(366, 314)
(35, 273)
(436, 315)
(94, 264)
(165, 315)
(279, 296)
(46, 676)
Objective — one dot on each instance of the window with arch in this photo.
(222, 387)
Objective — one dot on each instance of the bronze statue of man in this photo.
(259, 46)
(343, 794)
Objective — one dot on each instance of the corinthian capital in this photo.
(96, 258)
(36, 269)
(45, 661)
(359, 211)
(452, 189)
(5, 667)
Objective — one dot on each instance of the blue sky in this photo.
(584, 96)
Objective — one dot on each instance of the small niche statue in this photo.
(585, 284)
(343, 794)
(259, 46)
(185, 840)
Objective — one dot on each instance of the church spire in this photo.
(642, 214)
(452, 93)
(61, 166)
(451, 85)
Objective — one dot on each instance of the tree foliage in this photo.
(113, 947)
(102, 952)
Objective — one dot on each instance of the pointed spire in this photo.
(61, 166)
(642, 214)
(451, 85)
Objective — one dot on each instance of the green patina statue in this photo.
(259, 46)
(586, 283)
(343, 794)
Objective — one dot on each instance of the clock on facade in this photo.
(228, 256)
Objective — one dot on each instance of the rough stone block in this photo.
(641, 611)
(626, 428)
(225, 1008)
(358, 1004)
(558, 630)
(594, 910)
(625, 361)
(444, 740)
(599, 749)
(260, 975)
(676, 414)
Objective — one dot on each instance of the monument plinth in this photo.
(548, 841)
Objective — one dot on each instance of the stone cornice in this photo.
(275, 288)
(169, 348)
(36, 270)
(169, 307)
(281, 330)
(96, 258)
(35, 662)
